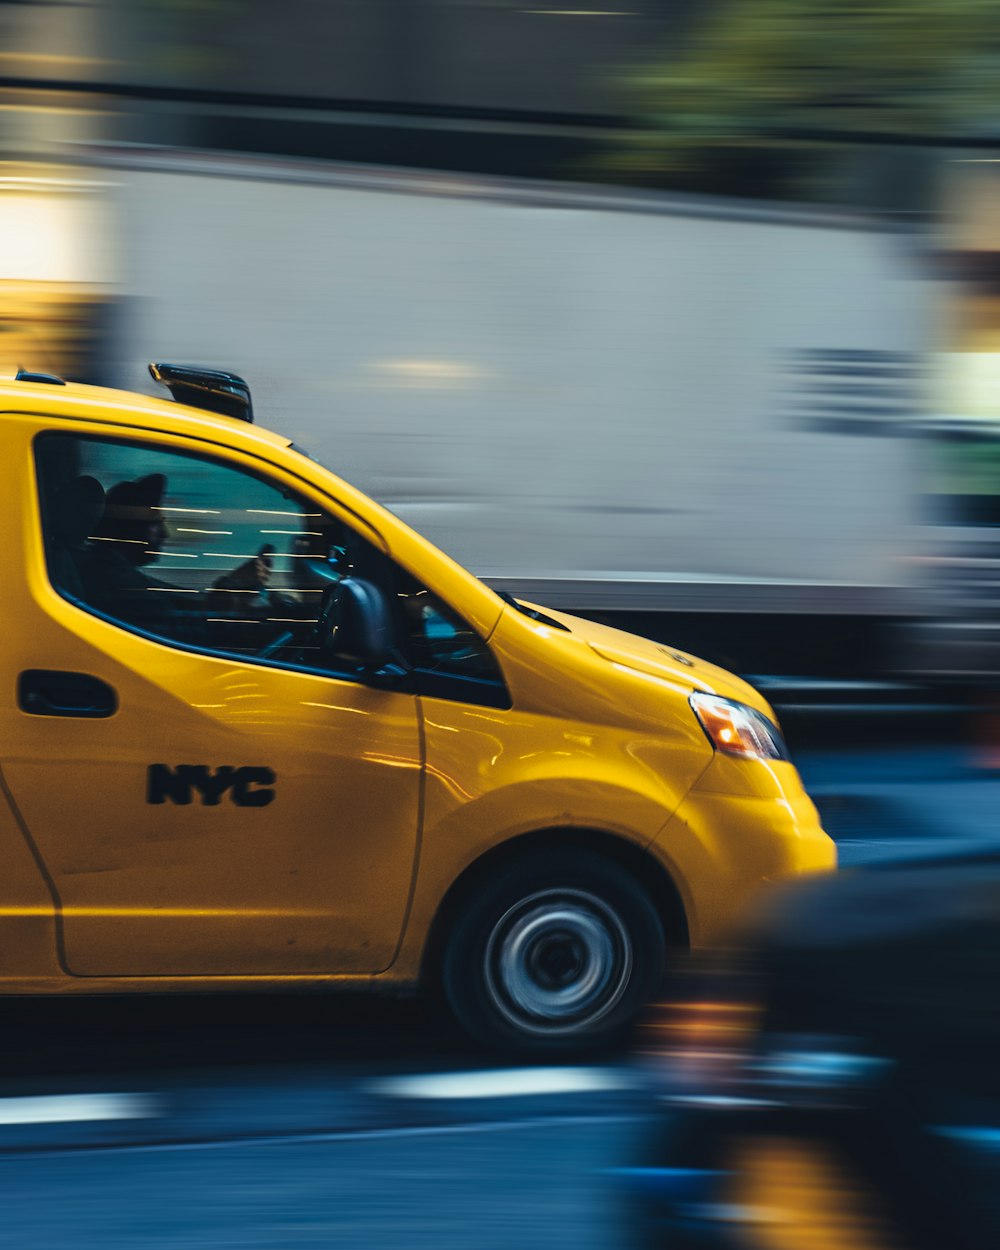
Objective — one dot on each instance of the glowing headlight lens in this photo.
(737, 729)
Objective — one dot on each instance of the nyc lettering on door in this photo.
(246, 787)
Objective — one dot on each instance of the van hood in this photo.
(657, 659)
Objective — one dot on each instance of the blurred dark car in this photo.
(835, 1083)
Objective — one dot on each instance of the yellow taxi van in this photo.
(257, 733)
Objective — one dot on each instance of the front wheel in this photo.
(557, 953)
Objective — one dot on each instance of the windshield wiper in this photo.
(534, 613)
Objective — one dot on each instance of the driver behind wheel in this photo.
(129, 537)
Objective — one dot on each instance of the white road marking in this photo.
(503, 1083)
(68, 1108)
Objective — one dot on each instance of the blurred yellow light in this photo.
(55, 58)
(429, 372)
(795, 1194)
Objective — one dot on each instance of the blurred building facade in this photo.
(490, 85)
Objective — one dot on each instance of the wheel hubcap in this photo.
(558, 962)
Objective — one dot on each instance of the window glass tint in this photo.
(202, 555)
(445, 651)
(192, 550)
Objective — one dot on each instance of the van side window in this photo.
(202, 555)
(449, 658)
(193, 551)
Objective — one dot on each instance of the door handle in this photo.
(48, 692)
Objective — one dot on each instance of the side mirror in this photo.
(361, 625)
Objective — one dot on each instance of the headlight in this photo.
(737, 729)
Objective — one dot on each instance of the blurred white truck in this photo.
(596, 399)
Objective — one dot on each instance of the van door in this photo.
(210, 792)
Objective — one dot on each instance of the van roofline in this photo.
(130, 409)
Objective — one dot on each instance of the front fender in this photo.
(499, 818)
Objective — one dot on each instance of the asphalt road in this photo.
(486, 1186)
(298, 1122)
(302, 1122)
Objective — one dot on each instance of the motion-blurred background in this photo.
(684, 314)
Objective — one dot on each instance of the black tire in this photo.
(556, 954)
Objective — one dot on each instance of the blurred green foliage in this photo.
(187, 39)
(779, 96)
